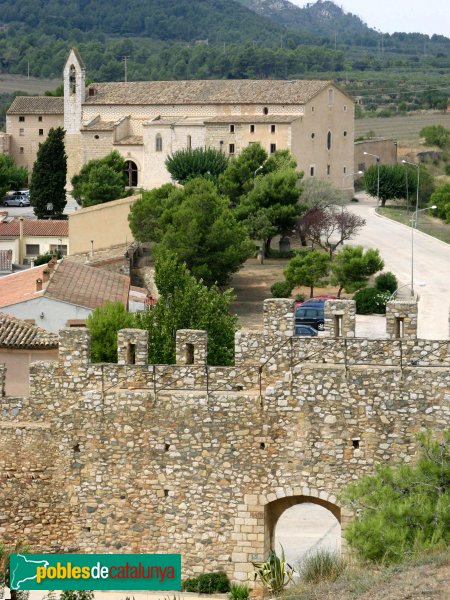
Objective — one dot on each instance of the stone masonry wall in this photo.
(196, 459)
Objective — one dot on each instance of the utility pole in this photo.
(124, 60)
(28, 69)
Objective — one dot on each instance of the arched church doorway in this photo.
(302, 524)
(131, 171)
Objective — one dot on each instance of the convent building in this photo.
(147, 121)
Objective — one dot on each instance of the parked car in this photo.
(304, 331)
(311, 314)
(319, 299)
(17, 199)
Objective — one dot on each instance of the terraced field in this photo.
(405, 129)
(33, 85)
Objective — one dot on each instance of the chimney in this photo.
(38, 285)
(45, 275)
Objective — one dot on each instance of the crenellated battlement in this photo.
(190, 458)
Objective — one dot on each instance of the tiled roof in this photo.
(15, 333)
(5, 261)
(131, 140)
(35, 228)
(98, 125)
(219, 91)
(21, 286)
(69, 282)
(253, 119)
(37, 105)
(87, 286)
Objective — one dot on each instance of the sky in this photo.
(422, 16)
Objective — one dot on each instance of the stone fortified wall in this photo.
(202, 460)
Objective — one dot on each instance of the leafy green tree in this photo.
(104, 323)
(352, 267)
(196, 162)
(436, 135)
(441, 199)
(145, 216)
(310, 269)
(205, 234)
(186, 303)
(274, 200)
(398, 181)
(11, 176)
(402, 510)
(48, 180)
(100, 180)
(239, 176)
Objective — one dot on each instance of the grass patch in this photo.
(323, 565)
(426, 223)
(374, 581)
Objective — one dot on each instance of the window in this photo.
(158, 143)
(230, 148)
(345, 170)
(329, 140)
(131, 172)
(41, 132)
(72, 80)
(59, 248)
(312, 108)
(265, 110)
(311, 170)
(313, 135)
(40, 119)
(21, 150)
(273, 148)
(21, 119)
(231, 128)
(330, 97)
(345, 134)
(189, 141)
(32, 249)
(21, 131)
(252, 129)
(96, 136)
(328, 169)
(272, 129)
(345, 107)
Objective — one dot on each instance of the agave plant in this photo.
(275, 573)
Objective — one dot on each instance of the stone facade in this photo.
(203, 460)
(340, 318)
(401, 319)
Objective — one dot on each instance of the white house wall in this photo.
(56, 314)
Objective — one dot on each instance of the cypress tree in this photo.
(48, 180)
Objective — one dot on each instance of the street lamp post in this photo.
(414, 221)
(342, 205)
(378, 174)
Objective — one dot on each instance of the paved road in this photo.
(27, 211)
(431, 265)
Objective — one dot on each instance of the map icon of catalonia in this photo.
(22, 569)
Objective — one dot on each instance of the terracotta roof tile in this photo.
(37, 105)
(87, 286)
(219, 91)
(131, 140)
(254, 119)
(15, 333)
(21, 286)
(35, 227)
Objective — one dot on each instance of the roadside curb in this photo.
(417, 231)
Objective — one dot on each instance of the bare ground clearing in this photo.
(21, 83)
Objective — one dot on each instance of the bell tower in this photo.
(74, 94)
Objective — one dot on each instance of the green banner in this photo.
(160, 572)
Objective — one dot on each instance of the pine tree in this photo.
(48, 180)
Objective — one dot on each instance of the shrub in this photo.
(323, 565)
(281, 289)
(386, 282)
(300, 297)
(208, 583)
(77, 595)
(371, 300)
(45, 258)
(239, 592)
(273, 253)
(447, 169)
(402, 511)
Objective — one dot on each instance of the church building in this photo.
(147, 121)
